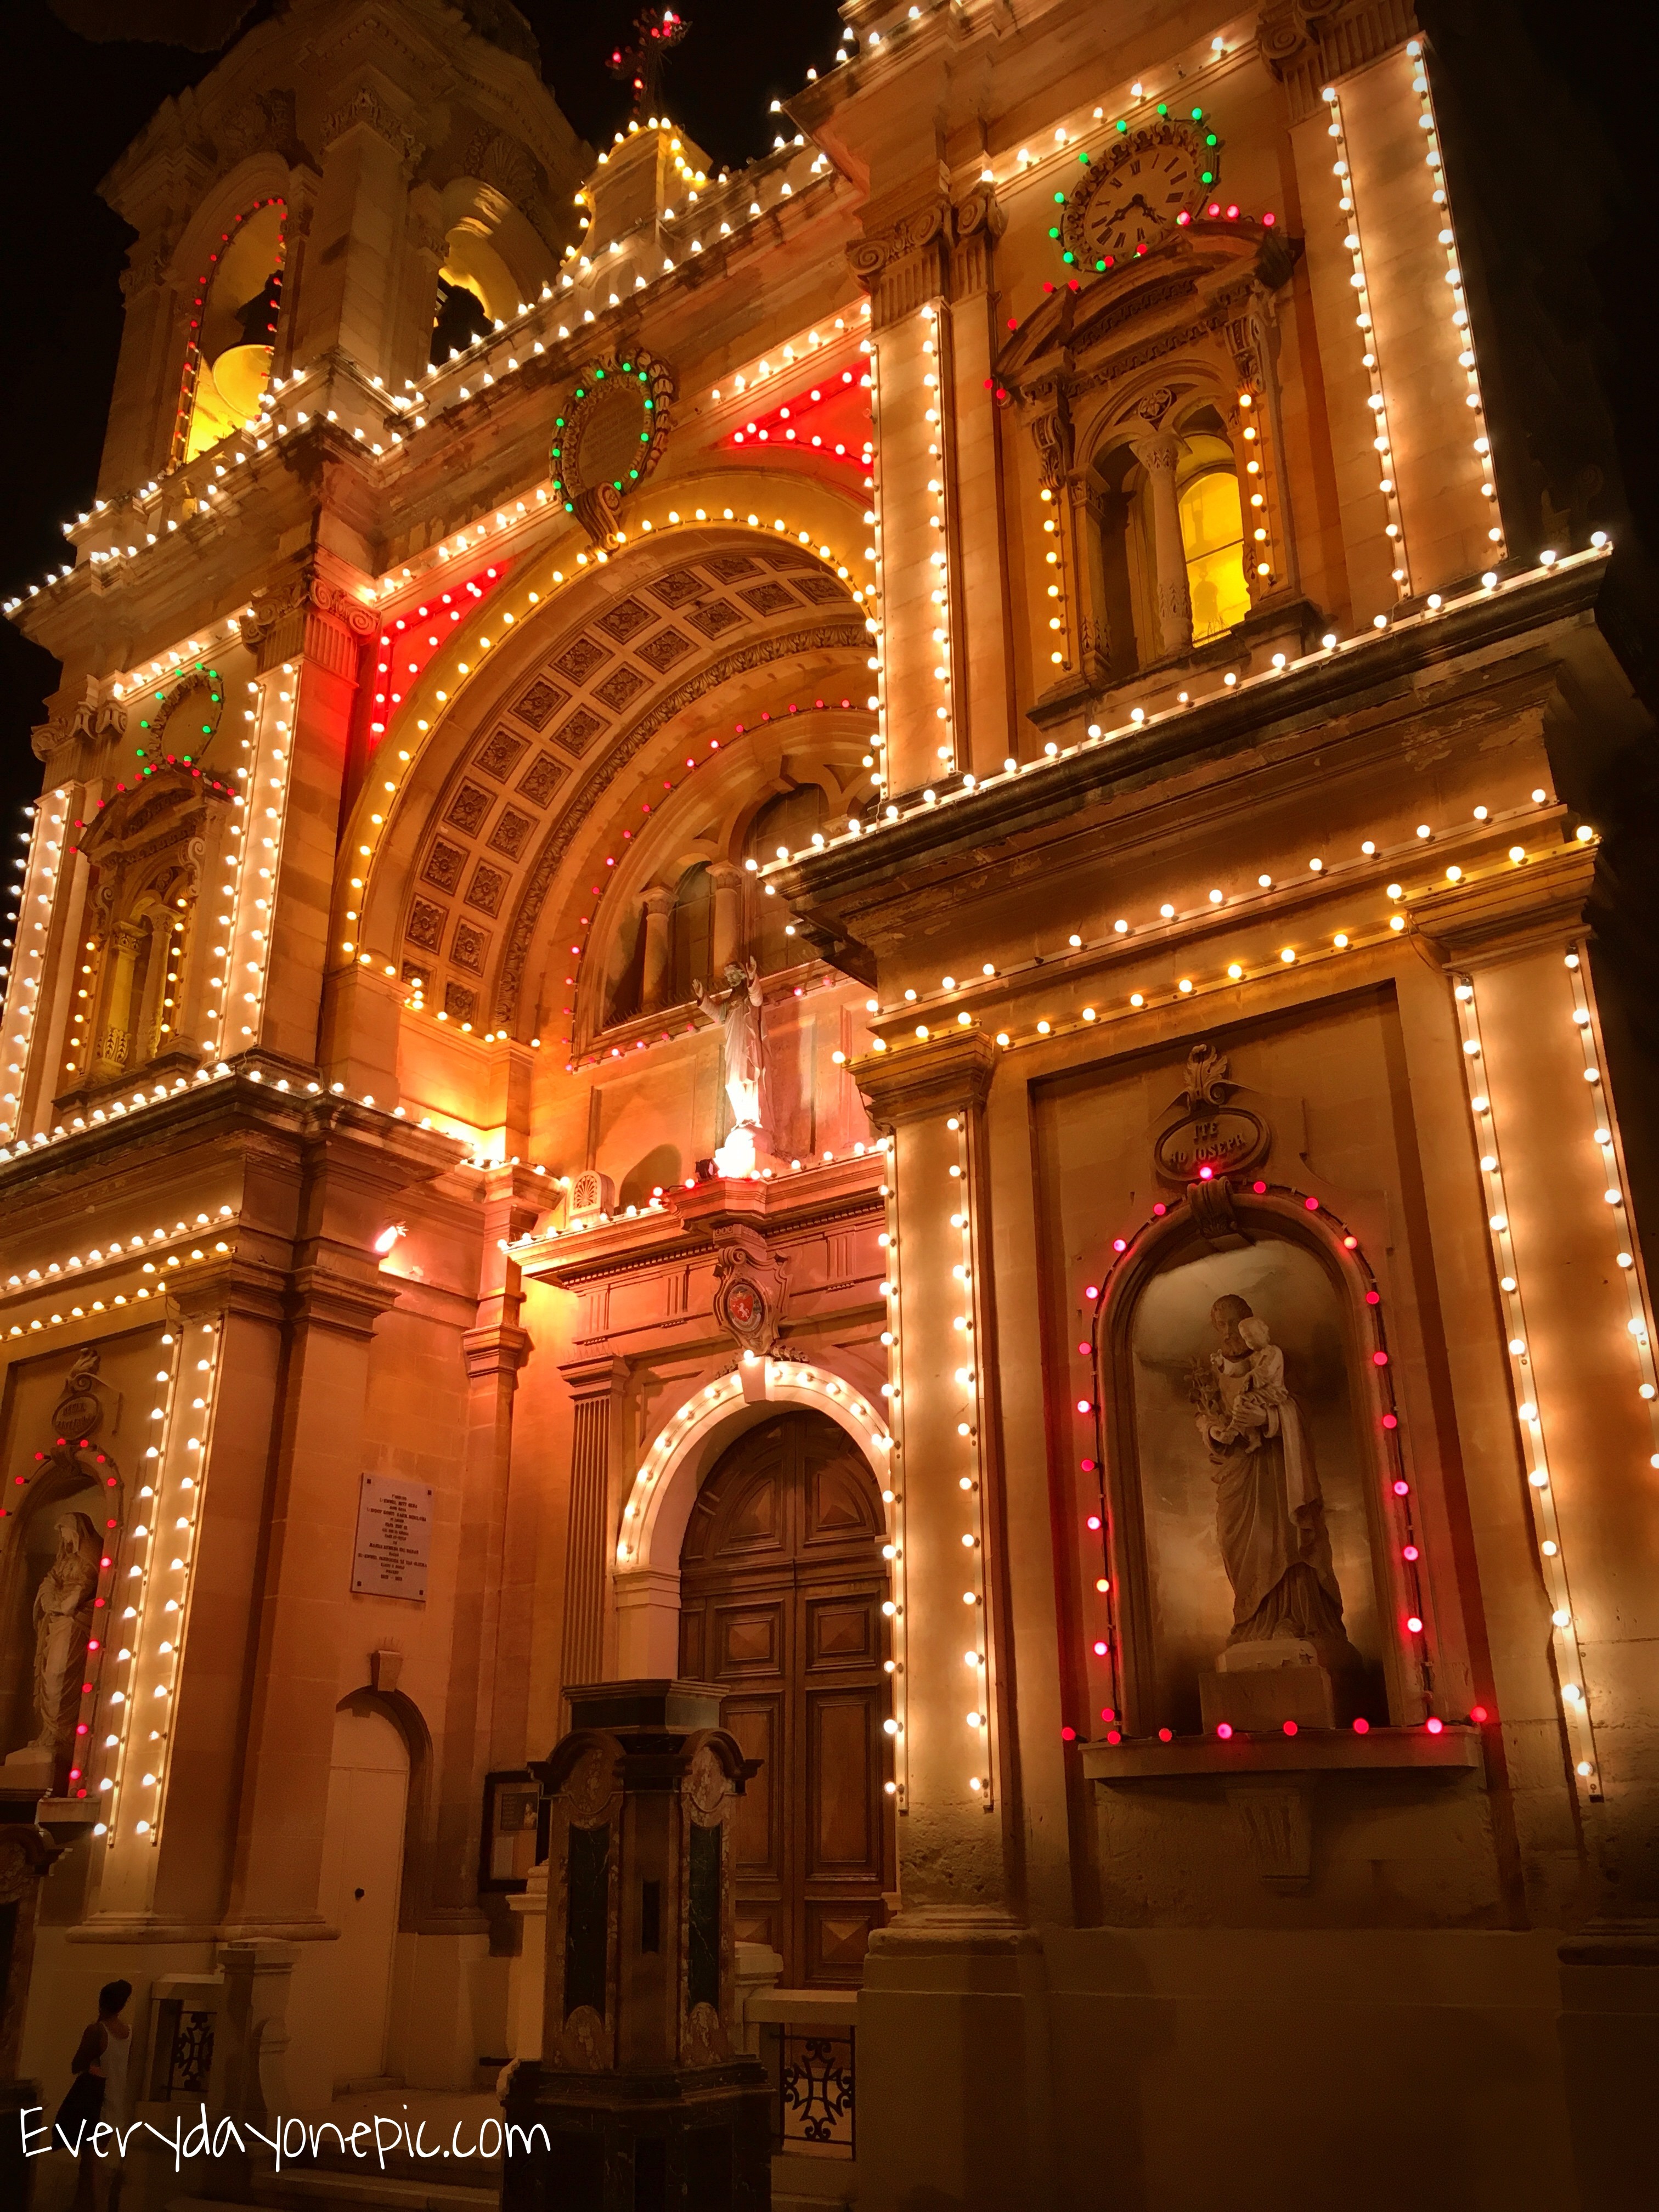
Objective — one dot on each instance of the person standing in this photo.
(100, 2093)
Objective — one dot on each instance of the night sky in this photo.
(1572, 129)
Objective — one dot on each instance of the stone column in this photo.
(596, 1387)
(956, 1968)
(115, 1029)
(726, 915)
(1159, 455)
(657, 902)
(248, 2079)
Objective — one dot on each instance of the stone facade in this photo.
(1034, 564)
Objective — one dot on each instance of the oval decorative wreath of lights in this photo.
(1137, 191)
(610, 437)
(203, 688)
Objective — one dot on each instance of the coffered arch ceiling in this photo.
(608, 692)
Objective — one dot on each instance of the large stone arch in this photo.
(645, 1572)
(529, 759)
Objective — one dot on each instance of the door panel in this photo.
(835, 1938)
(780, 1594)
(841, 1631)
(844, 1836)
(757, 1722)
(748, 1640)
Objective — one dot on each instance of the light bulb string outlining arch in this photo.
(779, 510)
(657, 1506)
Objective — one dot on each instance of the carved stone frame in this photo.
(1279, 1217)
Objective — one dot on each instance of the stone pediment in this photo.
(1179, 285)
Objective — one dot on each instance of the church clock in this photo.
(1138, 193)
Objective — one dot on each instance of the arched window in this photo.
(1212, 529)
(233, 324)
(783, 823)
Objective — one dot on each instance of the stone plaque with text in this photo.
(394, 1538)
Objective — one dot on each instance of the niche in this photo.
(1243, 1492)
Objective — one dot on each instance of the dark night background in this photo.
(1557, 104)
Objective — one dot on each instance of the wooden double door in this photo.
(781, 1585)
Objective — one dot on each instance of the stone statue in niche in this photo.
(743, 1051)
(1287, 1650)
(63, 1622)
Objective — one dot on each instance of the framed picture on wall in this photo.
(514, 1831)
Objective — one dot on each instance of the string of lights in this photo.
(1627, 1257)
(1567, 1651)
(895, 1606)
(980, 1714)
(1463, 335)
(23, 992)
(1342, 169)
(127, 1739)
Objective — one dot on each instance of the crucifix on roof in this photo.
(656, 30)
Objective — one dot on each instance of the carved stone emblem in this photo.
(1211, 1136)
(749, 1290)
(609, 437)
(79, 1412)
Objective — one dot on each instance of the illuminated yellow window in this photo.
(1212, 539)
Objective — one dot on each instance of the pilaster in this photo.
(316, 627)
(596, 1389)
(494, 1352)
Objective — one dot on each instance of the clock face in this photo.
(1137, 195)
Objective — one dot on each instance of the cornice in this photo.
(1505, 916)
(1467, 641)
(692, 1228)
(951, 1070)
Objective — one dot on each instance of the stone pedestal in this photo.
(643, 2099)
(526, 1991)
(1257, 1687)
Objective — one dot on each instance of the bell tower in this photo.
(317, 197)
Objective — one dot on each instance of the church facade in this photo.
(852, 929)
